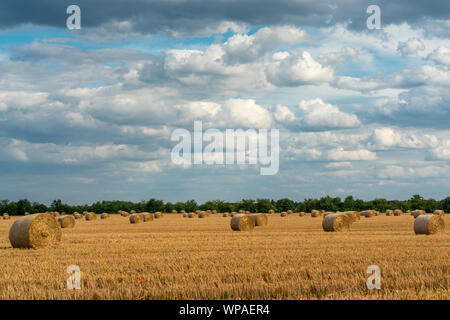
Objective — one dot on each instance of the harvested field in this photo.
(290, 258)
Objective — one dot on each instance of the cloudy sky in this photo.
(87, 115)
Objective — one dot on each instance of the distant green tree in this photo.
(263, 205)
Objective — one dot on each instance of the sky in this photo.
(87, 115)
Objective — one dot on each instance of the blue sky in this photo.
(87, 115)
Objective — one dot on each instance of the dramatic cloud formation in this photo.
(87, 115)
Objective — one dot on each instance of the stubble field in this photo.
(181, 258)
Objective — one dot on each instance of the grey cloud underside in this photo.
(189, 16)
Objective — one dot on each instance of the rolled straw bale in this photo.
(26, 214)
(214, 212)
(408, 212)
(232, 214)
(439, 212)
(271, 211)
(104, 215)
(354, 215)
(225, 214)
(367, 213)
(398, 212)
(336, 222)
(124, 214)
(417, 213)
(203, 214)
(85, 213)
(174, 211)
(183, 211)
(192, 215)
(301, 214)
(247, 212)
(260, 219)
(157, 215)
(315, 213)
(389, 212)
(132, 211)
(35, 231)
(147, 216)
(241, 211)
(289, 212)
(242, 222)
(184, 214)
(136, 218)
(66, 221)
(6, 216)
(283, 214)
(429, 224)
(90, 216)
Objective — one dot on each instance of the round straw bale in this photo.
(183, 211)
(35, 231)
(417, 213)
(192, 215)
(55, 214)
(429, 224)
(85, 213)
(90, 216)
(271, 211)
(132, 211)
(398, 212)
(124, 214)
(439, 212)
(157, 215)
(260, 219)
(336, 222)
(354, 215)
(289, 212)
(242, 222)
(174, 211)
(6, 216)
(389, 212)
(241, 211)
(66, 221)
(104, 215)
(315, 213)
(136, 218)
(26, 214)
(283, 214)
(225, 214)
(301, 214)
(184, 214)
(203, 214)
(147, 216)
(232, 214)
(214, 212)
(367, 213)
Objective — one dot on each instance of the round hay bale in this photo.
(104, 215)
(232, 214)
(35, 231)
(147, 216)
(389, 212)
(26, 214)
(283, 214)
(271, 211)
(85, 213)
(55, 214)
(184, 214)
(315, 213)
(225, 214)
(214, 212)
(124, 213)
(136, 218)
(289, 212)
(157, 215)
(260, 219)
(301, 214)
(90, 216)
(183, 211)
(367, 213)
(174, 212)
(354, 215)
(428, 224)
(335, 222)
(203, 214)
(6, 216)
(242, 222)
(241, 211)
(132, 211)
(439, 212)
(398, 212)
(192, 215)
(417, 213)
(66, 221)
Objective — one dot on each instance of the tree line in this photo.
(259, 205)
